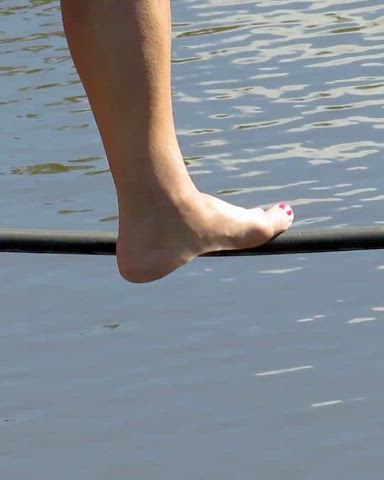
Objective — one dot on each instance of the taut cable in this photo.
(104, 243)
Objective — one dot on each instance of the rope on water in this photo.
(104, 243)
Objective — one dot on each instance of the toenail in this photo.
(287, 208)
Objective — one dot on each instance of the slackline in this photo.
(104, 243)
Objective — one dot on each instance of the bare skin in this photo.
(122, 51)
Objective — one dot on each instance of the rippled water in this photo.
(230, 368)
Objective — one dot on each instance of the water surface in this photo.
(229, 368)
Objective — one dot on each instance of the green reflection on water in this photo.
(69, 212)
(9, 70)
(49, 85)
(70, 100)
(347, 30)
(47, 169)
(186, 60)
(112, 218)
(338, 107)
(12, 10)
(251, 126)
(98, 172)
(113, 326)
(370, 87)
(209, 31)
(85, 160)
(33, 37)
(228, 191)
(191, 159)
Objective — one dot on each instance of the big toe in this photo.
(266, 224)
(281, 217)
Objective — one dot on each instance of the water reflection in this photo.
(272, 99)
(47, 169)
(68, 211)
(111, 218)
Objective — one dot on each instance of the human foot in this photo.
(164, 221)
(173, 233)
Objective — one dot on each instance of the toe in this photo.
(281, 217)
(263, 225)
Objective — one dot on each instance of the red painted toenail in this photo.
(287, 208)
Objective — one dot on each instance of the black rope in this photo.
(104, 243)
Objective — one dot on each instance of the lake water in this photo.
(231, 368)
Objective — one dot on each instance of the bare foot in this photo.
(173, 232)
(122, 51)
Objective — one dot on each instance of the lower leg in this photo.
(122, 51)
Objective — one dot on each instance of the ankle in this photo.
(154, 198)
